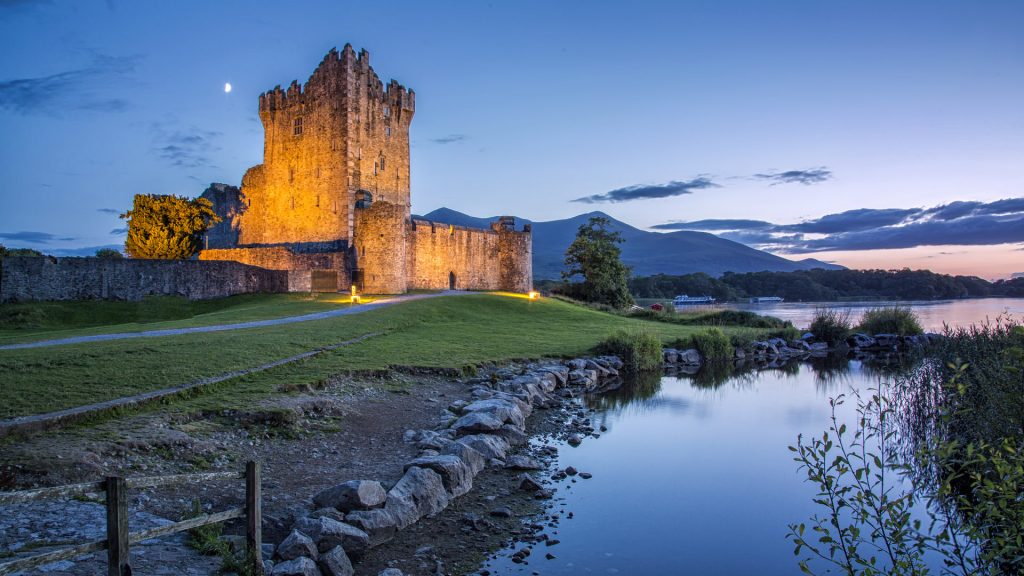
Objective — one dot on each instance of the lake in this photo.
(932, 313)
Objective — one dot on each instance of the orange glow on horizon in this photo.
(989, 262)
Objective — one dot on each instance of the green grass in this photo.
(34, 321)
(439, 332)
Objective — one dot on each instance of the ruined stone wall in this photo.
(282, 258)
(341, 132)
(476, 259)
(48, 278)
(379, 247)
(227, 203)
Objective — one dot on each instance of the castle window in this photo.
(297, 126)
(387, 131)
(317, 200)
(381, 163)
(387, 111)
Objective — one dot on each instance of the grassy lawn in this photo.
(438, 332)
(35, 321)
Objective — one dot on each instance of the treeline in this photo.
(821, 285)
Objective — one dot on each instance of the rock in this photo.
(472, 457)
(336, 563)
(887, 340)
(391, 572)
(586, 475)
(455, 474)
(328, 533)
(762, 348)
(297, 545)
(514, 436)
(570, 471)
(474, 422)
(501, 409)
(489, 445)
(576, 364)
(522, 463)
(352, 495)
(670, 355)
(807, 337)
(574, 440)
(529, 483)
(502, 512)
(419, 493)
(859, 340)
(690, 357)
(777, 342)
(458, 406)
(301, 566)
(378, 523)
(331, 513)
(739, 354)
(800, 345)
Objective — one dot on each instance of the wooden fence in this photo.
(119, 539)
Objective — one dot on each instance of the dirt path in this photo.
(237, 326)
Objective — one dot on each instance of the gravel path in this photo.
(237, 326)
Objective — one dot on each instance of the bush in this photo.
(890, 320)
(639, 351)
(729, 317)
(109, 253)
(830, 325)
(713, 344)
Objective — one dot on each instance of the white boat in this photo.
(765, 299)
(685, 300)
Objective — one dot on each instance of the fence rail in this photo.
(119, 539)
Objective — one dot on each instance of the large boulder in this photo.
(300, 566)
(419, 493)
(500, 408)
(489, 445)
(689, 357)
(455, 474)
(670, 355)
(474, 422)
(887, 340)
(470, 456)
(297, 545)
(336, 563)
(379, 523)
(859, 340)
(352, 495)
(328, 533)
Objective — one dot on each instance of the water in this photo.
(933, 314)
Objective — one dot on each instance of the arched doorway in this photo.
(451, 280)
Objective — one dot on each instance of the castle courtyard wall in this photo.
(298, 265)
(24, 279)
(437, 250)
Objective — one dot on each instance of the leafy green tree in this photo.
(109, 253)
(6, 252)
(167, 227)
(595, 257)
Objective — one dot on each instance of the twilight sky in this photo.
(865, 133)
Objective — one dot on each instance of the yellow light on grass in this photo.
(533, 295)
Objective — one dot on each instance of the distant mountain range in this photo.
(647, 253)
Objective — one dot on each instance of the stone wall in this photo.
(439, 253)
(380, 247)
(47, 278)
(297, 264)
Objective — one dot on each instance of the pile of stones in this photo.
(354, 516)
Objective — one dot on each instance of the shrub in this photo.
(640, 351)
(109, 253)
(830, 325)
(713, 344)
(890, 320)
(729, 317)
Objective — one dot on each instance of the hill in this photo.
(647, 253)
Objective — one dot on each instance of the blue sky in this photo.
(658, 113)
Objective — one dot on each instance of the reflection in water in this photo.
(692, 472)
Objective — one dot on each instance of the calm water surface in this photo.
(932, 313)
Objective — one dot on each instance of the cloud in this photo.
(450, 139)
(805, 177)
(715, 225)
(109, 211)
(184, 148)
(117, 231)
(963, 223)
(648, 191)
(33, 237)
(82, 89)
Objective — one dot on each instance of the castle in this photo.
(331, 204)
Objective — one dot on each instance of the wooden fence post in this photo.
(118, 563)
(254, 516)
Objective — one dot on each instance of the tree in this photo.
(167, 227)
(109, 254)
(595, 256)
(6, 252)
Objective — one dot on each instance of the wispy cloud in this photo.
(109, 211)
(450, 139)
(82, 89)
(33, 237)
(963, 223)
(649, 191)
(118, 231)
(805, 177)
(184, 148)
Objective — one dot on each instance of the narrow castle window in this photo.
(297, 126)
(317, 200)
(381, 163)
(387, 131)
(387, 111)
(291, 175)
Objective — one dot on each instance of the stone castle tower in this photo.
(331, 200)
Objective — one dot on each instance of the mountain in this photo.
(647, 253)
